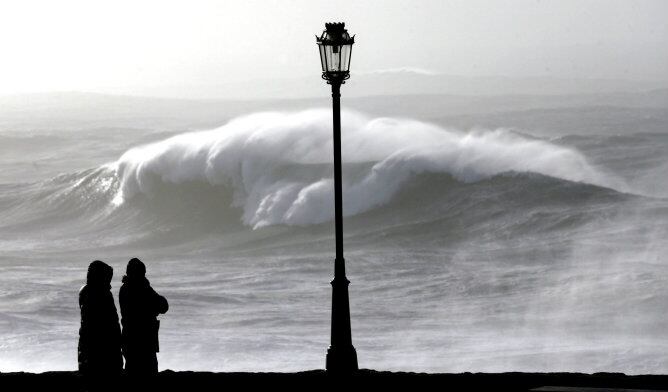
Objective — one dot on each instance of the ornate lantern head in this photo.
(335, 46)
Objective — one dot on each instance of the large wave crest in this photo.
(278, 165)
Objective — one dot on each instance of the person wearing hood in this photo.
(140, 306)
(99, 350)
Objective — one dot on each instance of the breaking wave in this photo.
(277, 166)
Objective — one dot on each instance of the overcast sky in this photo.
(135, 46)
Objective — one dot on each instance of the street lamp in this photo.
(335, 48)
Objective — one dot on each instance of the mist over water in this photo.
(468, 249)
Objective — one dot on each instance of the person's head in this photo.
(99, 273)
(135, 268)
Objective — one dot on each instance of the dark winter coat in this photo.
(99, 350)
(140, 306)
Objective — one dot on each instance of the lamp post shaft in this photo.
(338, 197)
(341, 355)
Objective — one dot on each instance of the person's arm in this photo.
(114, 328)
(81, 300)
(123, 302)
(160, 303)
(89, 313)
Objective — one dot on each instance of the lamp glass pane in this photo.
(336, 58)
(322, 57)
(328, 57)
(333, 58)
(345, 57)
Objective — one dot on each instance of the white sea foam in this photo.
(247, 154)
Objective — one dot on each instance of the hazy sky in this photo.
(135, 46)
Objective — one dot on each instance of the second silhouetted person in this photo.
(140, 306)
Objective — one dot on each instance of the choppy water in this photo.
(478, 250)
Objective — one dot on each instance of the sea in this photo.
(480, 234)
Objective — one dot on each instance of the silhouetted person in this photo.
(140, 306)
(99, 351)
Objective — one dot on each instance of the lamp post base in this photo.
(341, 360)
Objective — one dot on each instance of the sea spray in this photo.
(250, 154)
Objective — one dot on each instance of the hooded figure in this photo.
(99, 334)
(140, 306)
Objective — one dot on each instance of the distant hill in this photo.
(409, 81)
(89, 110)
(402, 81)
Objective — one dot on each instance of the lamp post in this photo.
(335, 49)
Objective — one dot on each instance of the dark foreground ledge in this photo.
(169, 380)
